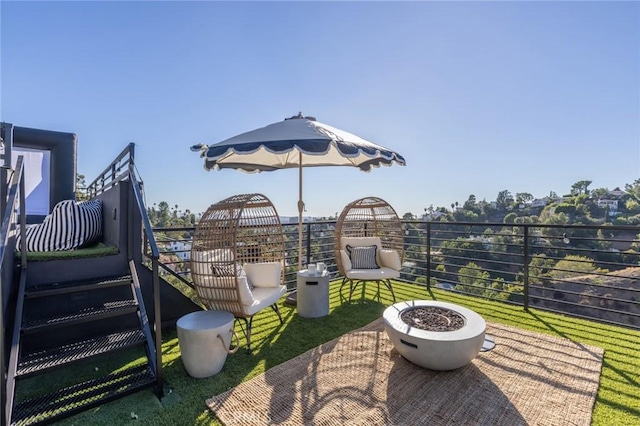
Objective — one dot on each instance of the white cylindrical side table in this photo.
(313, 294)
(204, 339)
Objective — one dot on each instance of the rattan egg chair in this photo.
(237, 258)
(369, 244)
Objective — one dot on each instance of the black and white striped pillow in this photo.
(363, 257)
(70, 225)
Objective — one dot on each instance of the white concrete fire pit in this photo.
(435, 335)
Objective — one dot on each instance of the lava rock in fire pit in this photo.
(433, 319)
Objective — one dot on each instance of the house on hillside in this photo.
(434, 215)
(610, 204)
(539, 202)
(617, 193)
(182, 249)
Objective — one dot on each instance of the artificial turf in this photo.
(96, 250)
(617, 403)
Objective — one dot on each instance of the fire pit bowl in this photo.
(435, 335)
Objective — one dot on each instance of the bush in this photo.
(566, 208)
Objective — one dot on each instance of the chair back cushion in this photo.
(204, 261)
(390, 259)
(264, 274)
(215, 291)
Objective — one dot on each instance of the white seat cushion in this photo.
(264, 297)
(373, 274)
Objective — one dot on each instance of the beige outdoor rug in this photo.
(359, 379)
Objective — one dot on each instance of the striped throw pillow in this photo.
(363, 257)
(70, 225)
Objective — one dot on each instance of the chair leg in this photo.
(390, 287)
(344, 280)
(277, 311)
(353, 287)
(247, 331)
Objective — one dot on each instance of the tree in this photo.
(580, 187)
(510, 218)
(472, 278)
(523, 197)
(632, 206)
(599, 192)
(633, 190)
(574, 266)
(470, 204)
(504, 200)
(539, 269)
(81, 188)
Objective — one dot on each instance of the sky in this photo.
(479, 97)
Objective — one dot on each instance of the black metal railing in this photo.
(11, 220)
(118, 170)
(589, 271)
(123, 168)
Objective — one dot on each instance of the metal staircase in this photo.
(97, 318)
(91, 325)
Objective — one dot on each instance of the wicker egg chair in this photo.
(365, 222)
(237, 257)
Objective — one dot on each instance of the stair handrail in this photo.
(15, 194)
(121, 168)
(155, 256)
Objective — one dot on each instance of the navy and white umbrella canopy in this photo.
(296, 142)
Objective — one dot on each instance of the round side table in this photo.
(204, 339)
(313, 294)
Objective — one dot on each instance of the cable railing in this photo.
(588, 271)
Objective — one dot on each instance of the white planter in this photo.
(435, 350)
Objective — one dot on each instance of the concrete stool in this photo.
(204, 339)
(313, 294)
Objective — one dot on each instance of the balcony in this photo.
(573, 282)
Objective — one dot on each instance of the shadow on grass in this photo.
(272, 344)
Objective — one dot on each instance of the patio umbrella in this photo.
(296, 142)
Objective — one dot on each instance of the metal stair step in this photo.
(35, 323)
(37, 362)
(82, 396)
(65, 287)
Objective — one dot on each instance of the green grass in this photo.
(99, 249)
(618, 399)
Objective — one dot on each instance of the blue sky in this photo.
(478, 97)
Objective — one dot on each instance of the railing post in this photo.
(527, 260)
(157, 328)
(429, 256)
(308, 226)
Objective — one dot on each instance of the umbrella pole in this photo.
(300, 209)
